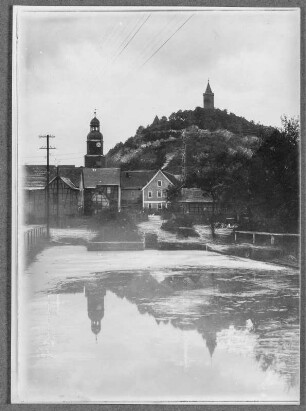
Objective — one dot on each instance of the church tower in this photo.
(208, 97)
(94, 157)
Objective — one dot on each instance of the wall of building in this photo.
(92, 161)
(208, 101)
(100, 198)
(34, 205)
(154, 193)
(131, 196)
(63, 201)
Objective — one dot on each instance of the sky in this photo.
(133, 64)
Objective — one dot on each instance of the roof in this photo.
(67, 181)
(136, 179)
(194, 195)
(169, 176)
(72, 173)
(101, 176)
(208, 89)
(35, 176)
(95, 122)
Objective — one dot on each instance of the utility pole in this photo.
(48, 148)
(57, 196)
(184, 157)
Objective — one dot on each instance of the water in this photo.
(156, 326)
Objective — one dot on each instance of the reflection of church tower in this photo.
(208, 97)
(95, 306)
(94, 157)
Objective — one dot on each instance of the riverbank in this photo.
(96, 238)
(222, 244)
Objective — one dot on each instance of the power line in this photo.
(118, 49)
(150, 46)
(167, 40)
(133, 36)
(127, 37)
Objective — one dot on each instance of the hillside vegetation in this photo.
(160, 143)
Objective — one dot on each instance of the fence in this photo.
(33, 234)
(273, 237)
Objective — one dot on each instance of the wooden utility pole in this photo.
(57, 196)
(184, 157)
(48, 148)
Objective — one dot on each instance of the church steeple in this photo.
(94, 157)
(208, 97)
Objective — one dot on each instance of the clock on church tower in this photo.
(94, 157)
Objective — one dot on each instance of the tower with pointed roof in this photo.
(94, 157)
(208, 97)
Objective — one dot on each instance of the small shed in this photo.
(195, 201)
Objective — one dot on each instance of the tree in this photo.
(211, 171)
(173, 194)
(274, 176)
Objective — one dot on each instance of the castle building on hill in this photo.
(94, 157)
(208, 97)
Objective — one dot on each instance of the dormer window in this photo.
(159, 183)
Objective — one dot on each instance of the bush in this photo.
(181, 224)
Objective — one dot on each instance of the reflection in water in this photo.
(245, 312)
(95, 305)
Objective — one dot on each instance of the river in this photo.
(151, 326)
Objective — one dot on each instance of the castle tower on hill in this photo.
(208, 97)
(94, 157)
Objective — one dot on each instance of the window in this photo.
(150, 194)
(159, 206)
(159, 183)
(149, 206)
(109, 190)
(159, 193)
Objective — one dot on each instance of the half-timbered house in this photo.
(100, 190)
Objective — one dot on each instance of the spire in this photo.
(208, 97)
(208, 89)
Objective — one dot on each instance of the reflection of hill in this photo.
(208, 301)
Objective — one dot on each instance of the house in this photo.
(63, 198)
(132, 183)
(154, 193)
(195, 201)
(100, 190)
(34, 183)
(63, 191)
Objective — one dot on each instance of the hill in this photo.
(159, 145)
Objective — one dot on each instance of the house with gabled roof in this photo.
(100, 190)
(154, 193)
(64, 197)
